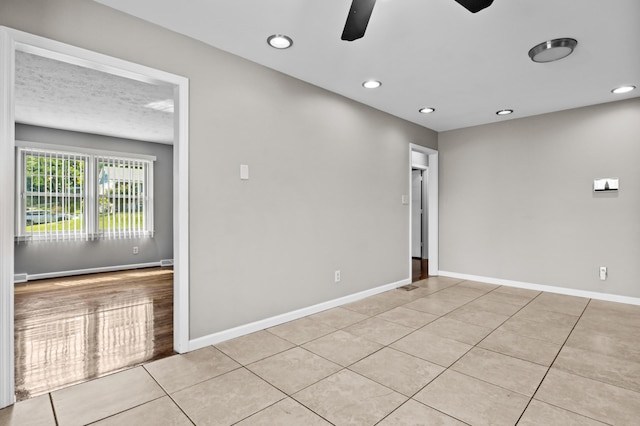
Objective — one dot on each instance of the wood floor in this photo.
(74, 329)
(420, 269)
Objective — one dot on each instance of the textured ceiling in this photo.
(428, 53)
(59, 95)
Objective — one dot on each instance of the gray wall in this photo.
(327, 174)
(517, 199)
(36, 258)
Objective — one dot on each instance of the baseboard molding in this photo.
(542, 287)
(232, 333)
(21, 278)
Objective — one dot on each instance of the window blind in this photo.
(74, 196)
(124, 201)
(53, 195)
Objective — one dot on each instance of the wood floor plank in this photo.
(70, 330)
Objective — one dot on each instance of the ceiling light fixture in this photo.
(552, 50)
(623, 89)
(504, 112)
(371, 84)
(426, 110)
(279, 41)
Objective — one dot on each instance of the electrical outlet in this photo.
(603, 273)
(337, 276)
(135, 250)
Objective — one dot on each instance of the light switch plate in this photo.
(244, 171)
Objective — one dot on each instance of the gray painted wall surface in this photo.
(517, 200)
(327, 174)
(36, 258)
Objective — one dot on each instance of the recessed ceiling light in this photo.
(504, 112)
(623, 89)
(279, 41)
(371, 84)
(553, 50)
(426, 110)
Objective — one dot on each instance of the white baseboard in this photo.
(232, 333)
(548, 288)
(21, 278)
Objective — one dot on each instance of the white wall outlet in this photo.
(603, 273)
(135, 250)
(337, 276)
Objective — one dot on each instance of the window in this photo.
(82, 195)
(123, 203)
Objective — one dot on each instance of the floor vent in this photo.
(408, 287)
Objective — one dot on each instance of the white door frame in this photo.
(12, 40)
(432, 207)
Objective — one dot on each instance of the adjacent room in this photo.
(347, 212)
(94, 235)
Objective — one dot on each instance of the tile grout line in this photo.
(169, 395)
(53, 408)
(400, 338)
(469, 350)
(287, 395)
(411, 398)
(553, 361)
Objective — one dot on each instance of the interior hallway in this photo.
(73, 329)
(449, 352)
(419, 269)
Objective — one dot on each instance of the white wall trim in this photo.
(434, 217)
(232, 333)
(181, 231)
(7, 205)
(12, 40)
(432, 207)
(548, 288)
(20, 278)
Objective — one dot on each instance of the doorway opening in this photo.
(419, 226)
(423, 213)
(14, 43)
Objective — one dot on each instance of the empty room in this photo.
(349, 212)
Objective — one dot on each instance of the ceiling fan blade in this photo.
(357, 19)
(474, 6)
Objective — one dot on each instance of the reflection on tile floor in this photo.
(450, 352)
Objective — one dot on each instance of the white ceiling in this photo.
(59, 95)
(428, 53)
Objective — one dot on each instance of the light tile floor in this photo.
(450, 352)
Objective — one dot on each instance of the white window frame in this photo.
(91, 194)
